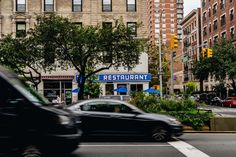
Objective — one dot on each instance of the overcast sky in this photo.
(189, 5)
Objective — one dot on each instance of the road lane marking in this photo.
(187, 149)
(121, 145)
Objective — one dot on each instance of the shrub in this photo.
(185, 110)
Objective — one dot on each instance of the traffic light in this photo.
(174, 42)
(204, 52)
(209, 53)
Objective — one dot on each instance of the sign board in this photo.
(124, 77)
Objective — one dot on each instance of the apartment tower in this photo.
(164, 17)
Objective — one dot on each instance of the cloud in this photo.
(189, 5)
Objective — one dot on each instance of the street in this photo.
(221, 111)
(190, 145)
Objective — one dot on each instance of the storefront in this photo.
(59, 88)
(131, 82)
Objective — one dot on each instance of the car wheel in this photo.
(31, 151)
(160, 134)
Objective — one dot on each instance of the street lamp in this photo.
(160, 54)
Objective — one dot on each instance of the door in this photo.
(124, 120)
(96, 118)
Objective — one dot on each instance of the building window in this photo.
(77, 5)
(215, 39)
(232, 33)
(132, 26)
(20, 29)
(223, 35)
(48, 5)
(131, 5)
(205, 31)
(106, 5)
(209, 12)
(209, 28)
(215, 25)
(222, 20)
(78, 24)
(204, 16)
(20, 5)
(231, 15)
(214, 9)
(222, 4)
(107, 25)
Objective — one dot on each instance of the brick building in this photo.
(192, 43)
(164, 16)
(17, 16)
(218, 21)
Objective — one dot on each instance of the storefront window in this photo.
(122, 86)
(57, 88)
(136, 87)
(109, 89)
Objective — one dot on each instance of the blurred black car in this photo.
(28, 126)
(114, 118)
(217, 101)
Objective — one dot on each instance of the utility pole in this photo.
(160, 56)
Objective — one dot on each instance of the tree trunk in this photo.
(201, 85)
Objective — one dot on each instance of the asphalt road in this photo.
(221, 111)
(188, 145)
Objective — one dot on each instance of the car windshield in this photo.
(28, 92)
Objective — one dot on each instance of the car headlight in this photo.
(174, 121)
(64, 120)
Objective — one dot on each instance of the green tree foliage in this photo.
(222, 65)
(201, 71)
(23, 57)
(153, 55)
(88, 49)
(191, 87)
(224, 62)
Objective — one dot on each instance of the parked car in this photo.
(116, 97)
(28, 126)
(217, 101)
(230, 102)
(114, 118)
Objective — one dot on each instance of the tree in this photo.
(89, 49)
(153, 55)
(224, 58)
(201, 70)
(222, 65)
(191, 87)
(21, 55)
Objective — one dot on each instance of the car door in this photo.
(124, 120)
(95, 116)
(9, 115)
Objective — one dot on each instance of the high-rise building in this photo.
(218, 21)
(164, 17)
(17, 16)
(192, 43)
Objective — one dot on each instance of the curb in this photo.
(211, 132)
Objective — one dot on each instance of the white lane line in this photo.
(187, 149)
(123, 145)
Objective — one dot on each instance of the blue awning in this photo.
(121, 90)
(152, 91)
